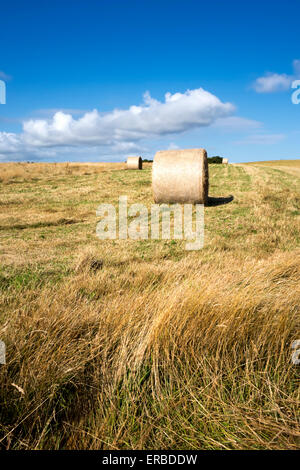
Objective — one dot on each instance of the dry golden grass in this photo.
(142, 345)
(10, 172)
(288, 166)
(291, 163)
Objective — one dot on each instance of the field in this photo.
(123, 344)
(285, 163)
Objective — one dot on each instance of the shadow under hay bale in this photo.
(219, 201)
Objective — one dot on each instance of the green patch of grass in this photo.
(31, 278)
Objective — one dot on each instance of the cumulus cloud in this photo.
(119, 130)
(9, 143)
(273, 82)
(178, 113)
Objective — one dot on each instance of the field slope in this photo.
(289, 166)
(122, 344)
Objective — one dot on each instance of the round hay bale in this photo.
(180, 176)
(225, 160)
(134, 163)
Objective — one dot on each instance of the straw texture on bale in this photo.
(225, 160)
(180, 176)
(134, 163)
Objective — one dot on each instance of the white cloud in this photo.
(178, 113)
(9, 143)
(118, 130)
(273, 82)
(261, 139)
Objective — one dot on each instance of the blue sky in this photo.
(103, 79)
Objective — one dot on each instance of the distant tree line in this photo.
(215, 159)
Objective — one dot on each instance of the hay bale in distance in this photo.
(180, 176)
(134, 163)
(225, 161)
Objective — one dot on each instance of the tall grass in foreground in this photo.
(177, 361)
(129, 345)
